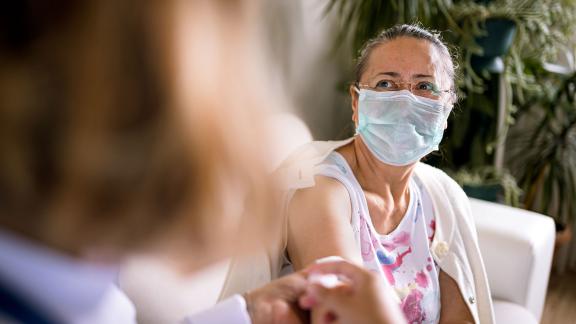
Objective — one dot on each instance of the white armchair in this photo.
(517, 247)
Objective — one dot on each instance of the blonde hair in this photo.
(101, 143)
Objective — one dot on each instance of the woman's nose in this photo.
(405, 86)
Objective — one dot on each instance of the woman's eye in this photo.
(426, 86)
(384, 84)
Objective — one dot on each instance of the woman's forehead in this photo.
(407, 57)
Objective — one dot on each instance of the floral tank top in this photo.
(403, 256)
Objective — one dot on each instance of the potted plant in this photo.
(543, 151)
(500, 33)
(489, 184)
(530, 29)
(495, 43)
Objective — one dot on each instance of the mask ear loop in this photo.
(357, 89)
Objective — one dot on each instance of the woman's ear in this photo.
(354, 101)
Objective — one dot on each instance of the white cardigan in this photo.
(454, 248)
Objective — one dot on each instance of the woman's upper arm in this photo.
(319, 224)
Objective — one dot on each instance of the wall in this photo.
(310, 70)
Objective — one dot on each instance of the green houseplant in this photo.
(489, 184)
(541, 25)
(540, 29)
(543, 150)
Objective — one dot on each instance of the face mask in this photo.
(398, 127)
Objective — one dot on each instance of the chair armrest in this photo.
(517, 247)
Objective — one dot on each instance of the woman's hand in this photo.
(362, 297)
(277, 302)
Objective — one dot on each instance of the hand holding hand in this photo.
(277, 302)
(362, 297)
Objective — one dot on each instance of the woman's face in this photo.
(404, 60)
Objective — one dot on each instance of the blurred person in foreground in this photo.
(369, 200)
(129, 127)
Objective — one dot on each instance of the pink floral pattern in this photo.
(412, 308)
(403, 257)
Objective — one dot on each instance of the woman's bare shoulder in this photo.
(327, 193)
(319, 223)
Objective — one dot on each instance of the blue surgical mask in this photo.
(398, 127)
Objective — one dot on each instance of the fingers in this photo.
(306, 301)
(298, 280)
(353, 272)
(333, 298)
(316, 294)
(292, 286)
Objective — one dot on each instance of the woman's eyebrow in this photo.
(398, 75)
(391, 74)
(422, 76)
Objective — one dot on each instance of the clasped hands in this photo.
(360, 296)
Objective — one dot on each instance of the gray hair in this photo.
(414, 31)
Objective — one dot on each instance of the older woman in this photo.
(369, 200)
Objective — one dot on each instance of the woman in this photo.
(375, 204)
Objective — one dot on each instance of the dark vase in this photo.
(488, 192)
(497, 41)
